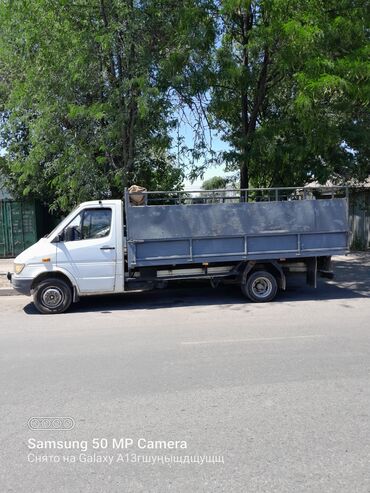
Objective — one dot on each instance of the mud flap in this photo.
(325, 267)
(312, 271)
(282, 279)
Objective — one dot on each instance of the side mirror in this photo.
(71, 233)
(58, 238)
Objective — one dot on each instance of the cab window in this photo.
(89, 224)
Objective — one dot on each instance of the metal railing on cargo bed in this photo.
(232, 195)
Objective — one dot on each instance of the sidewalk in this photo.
(6, 265)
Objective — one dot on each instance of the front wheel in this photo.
(52, 296)
(260, 287)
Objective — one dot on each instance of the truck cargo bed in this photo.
(219, 232)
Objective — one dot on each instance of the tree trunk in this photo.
(244, 179)
(244, 166)
(246, 27)
(249, 122)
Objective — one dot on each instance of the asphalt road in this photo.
(272, 398)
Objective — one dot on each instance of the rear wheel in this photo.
(52, 296)
(260, 287)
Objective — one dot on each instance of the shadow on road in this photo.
(352, 280)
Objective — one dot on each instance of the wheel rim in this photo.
(261, 287)
(52, 297)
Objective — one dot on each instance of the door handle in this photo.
(106, 247)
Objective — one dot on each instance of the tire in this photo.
(52, 296)
(260, 287)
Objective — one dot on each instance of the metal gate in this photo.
(18, 227)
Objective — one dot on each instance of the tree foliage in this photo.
(91, 92)
(290, 89)
(85, 108)
(215, 183)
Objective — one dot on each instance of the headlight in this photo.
(18, 268)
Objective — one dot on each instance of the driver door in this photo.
(88, 250)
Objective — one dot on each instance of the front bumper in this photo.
(23, 286)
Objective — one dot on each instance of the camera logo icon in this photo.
(51, 423)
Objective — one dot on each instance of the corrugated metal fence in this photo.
(18, 226)
(359, 217)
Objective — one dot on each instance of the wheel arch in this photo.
(270, 266)
(56, 275)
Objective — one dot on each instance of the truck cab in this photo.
(83, 255)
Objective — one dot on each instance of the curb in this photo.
(8, 292)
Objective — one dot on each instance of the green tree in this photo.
(215, 183)
(85, 109)
(290, 89)
(90, 92)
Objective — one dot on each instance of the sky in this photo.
(186, 132)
